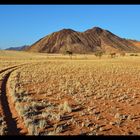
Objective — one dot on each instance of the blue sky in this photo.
(25, 24)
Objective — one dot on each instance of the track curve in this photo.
(9, 117)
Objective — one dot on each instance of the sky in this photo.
(25, 24)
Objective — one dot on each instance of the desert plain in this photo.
(54, 94)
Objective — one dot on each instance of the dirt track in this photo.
(13, 121)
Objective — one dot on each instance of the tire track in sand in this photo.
(13, 120)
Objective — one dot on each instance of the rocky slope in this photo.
(83, 42)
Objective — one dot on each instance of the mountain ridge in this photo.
(20, 48)
(88, 41)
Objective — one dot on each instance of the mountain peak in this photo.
(95, 29)
(67, 30)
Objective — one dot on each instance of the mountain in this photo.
(84, 42)
(135, 42)
(21, 48)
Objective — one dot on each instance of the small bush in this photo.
(3, 126)
(133, 54)
(42, 124)
(28, 122)
(65, 107)
(33, 129)
(122, 54)
(69, 52)
(113, 55)
(52, 133)
(99, 54)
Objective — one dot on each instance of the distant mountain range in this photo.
(21, 48)
(83, 42)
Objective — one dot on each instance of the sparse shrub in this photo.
(45, 114)
(59, 129)
(113, 55)
(28, 122)
(65, 107)
(3, 130)
(33, 130)
(70, 53)
(58, 117)
(133, 54)
(52, 133)
(1, 120)
(42, 124)
(122, 53)
(22, 109)
(27, 99)
(117, 116)
(99, 54)
(3, 126)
